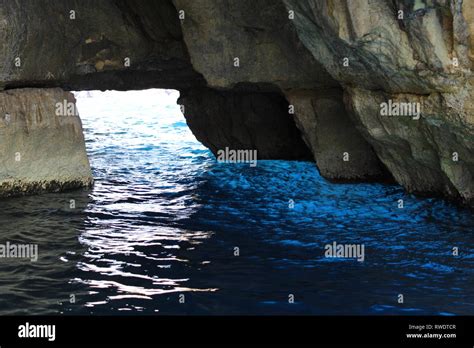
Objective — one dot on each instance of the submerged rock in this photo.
(41, 143)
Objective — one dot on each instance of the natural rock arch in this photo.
(333, 63)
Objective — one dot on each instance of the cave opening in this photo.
(136, 140)
(136, 134)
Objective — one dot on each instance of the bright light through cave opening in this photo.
(141, 150)
(143, 130)
(114, 112)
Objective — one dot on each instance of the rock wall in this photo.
(403, 52)
(254, 42)
(396, 46)
(431, 155)
(340, 151)
(244, 120)
(256, 32)
(336, 62)
(89, 44)
(41, 143)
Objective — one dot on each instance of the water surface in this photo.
(164, 220)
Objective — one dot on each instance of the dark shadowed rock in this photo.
(123, 44)
(244, 120)
(340, 152)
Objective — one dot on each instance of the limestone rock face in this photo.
(433, 154)
(249, 41)
(41, 143)
(89, 44)
(235, 42)
(395, 46)
(242, 120)
(340, 151)
(403, 52)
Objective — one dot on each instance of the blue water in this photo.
(164, 220)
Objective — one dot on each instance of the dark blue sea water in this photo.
(164, 218)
